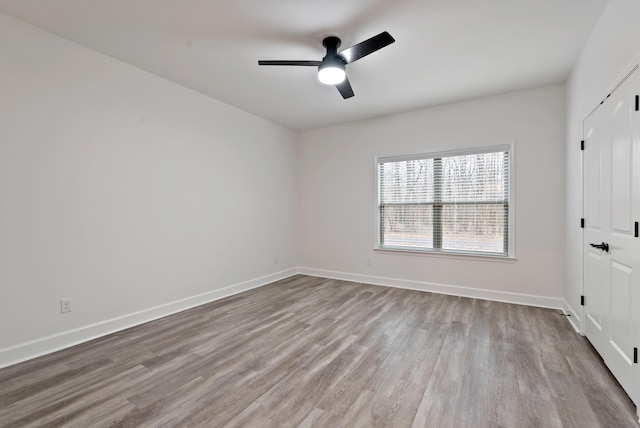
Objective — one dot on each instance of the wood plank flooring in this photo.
(307, 352)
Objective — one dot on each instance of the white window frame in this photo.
(511, 253)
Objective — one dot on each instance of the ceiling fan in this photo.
(331, 70)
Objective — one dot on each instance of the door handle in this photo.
(604, 246)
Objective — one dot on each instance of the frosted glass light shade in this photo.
(331, 73)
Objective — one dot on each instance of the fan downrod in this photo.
(332, 43)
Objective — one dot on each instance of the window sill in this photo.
(458, 256)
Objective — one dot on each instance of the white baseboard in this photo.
(572, 316)
(46, 345)
(455, 290)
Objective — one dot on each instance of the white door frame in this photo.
(634, 67)
(635, 64)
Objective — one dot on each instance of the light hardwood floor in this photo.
(309, 351)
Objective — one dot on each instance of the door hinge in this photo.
(581, 144)
(635, 355)
(582, 223)
(581, 300)
(637, 102)
(636, 231)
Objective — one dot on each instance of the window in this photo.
(453, 202)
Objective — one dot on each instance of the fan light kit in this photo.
(331, 70)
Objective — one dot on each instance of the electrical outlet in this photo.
(65, 305)
(368, 262)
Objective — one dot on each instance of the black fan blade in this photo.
(367, 47)
(345, 88)
(286, 62)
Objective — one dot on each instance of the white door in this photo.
(612, 250)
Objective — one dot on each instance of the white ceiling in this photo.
(445, 50)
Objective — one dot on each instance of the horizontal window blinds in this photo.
(452, 203)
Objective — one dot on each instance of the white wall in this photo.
(132, 195)
(612, 47)
(337, 196)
